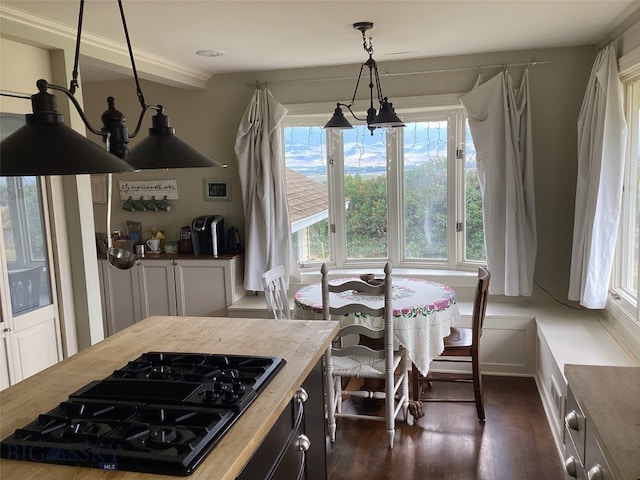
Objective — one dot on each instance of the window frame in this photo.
(419, 108)
(624, 300)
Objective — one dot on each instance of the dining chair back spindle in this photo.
(376, 360)
(275, 293)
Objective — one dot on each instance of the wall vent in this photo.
(556, 396)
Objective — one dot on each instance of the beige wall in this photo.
(209, 119)
(22, 81)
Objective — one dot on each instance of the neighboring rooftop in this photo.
(308, 200)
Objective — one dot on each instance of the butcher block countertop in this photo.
(301, 343)
(610, 398)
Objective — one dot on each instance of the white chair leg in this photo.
(405, 387)
(332, 431)
(390, 434)
(331, 400)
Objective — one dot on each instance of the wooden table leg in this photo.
(415, 382)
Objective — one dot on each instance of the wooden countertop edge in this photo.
(300, 342)
(181, 256)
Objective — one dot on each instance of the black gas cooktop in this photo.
(161, 413)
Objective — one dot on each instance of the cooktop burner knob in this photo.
(230, 397)
(211, 395)
(238, 388)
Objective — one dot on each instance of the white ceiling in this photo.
(266, 34)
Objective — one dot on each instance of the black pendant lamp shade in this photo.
(387, 116)
(163, 149)
(46, 146)
(338, 120)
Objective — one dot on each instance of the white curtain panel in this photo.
(602, 134)
(500, 124)
(259, 151)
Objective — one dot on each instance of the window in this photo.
(406, 195)
(625, 279)
(25, 247)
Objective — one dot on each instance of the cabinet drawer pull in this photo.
(303, 443)
(571, 419)
(570, 466)
(595, 472)
(301, 395)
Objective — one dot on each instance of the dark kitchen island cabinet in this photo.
(275, 409)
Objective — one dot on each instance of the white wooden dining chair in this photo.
(376, 360)
(275, 293)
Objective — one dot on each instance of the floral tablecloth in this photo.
(423, 312)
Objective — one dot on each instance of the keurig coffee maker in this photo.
(207, 235)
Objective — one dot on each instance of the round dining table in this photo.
(423, 313)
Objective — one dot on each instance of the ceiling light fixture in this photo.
(46, 146)
(210, 53)
(386, 116)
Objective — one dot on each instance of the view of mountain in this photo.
(305, 148)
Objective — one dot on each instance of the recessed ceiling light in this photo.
(210, 53)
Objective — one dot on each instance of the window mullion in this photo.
(452, 188)
(337, 227)
(395, 215)
(459, 205)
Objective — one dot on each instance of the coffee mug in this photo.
(154, 244)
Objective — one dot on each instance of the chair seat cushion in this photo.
(458, 338)
(361, 366)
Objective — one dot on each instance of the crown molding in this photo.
(38, 31)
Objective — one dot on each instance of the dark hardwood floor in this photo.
(449, 442)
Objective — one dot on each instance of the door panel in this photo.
(33, 336)
(122, 297)
(30, 334)
(157, 288)
(201, 288)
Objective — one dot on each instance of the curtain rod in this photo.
(418, 72)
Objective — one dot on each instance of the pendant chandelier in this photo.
(386, 115)
(46, 146)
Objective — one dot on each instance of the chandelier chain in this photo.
(133, 63)
(74, 75)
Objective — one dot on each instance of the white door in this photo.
(30, 339)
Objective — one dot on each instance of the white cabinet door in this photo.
(157, 288)
(121, 297)
(202, 287)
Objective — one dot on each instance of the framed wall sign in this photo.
(217, 189)
(146, 189)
